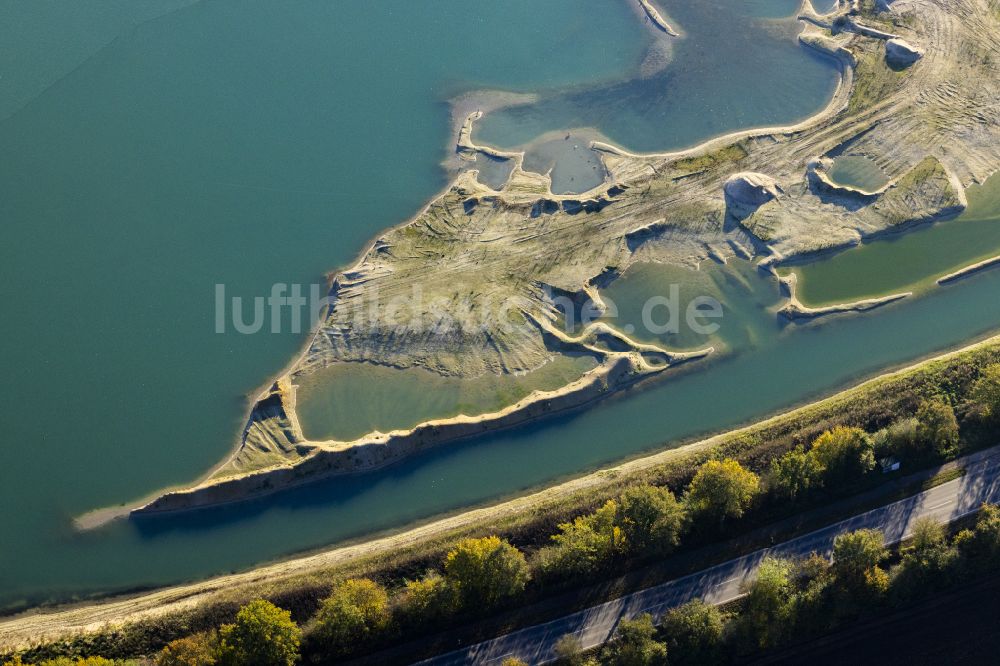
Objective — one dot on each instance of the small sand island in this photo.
(920, 80)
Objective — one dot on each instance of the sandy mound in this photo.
(751, 189)
(900, 53)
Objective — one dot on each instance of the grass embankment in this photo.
(728, 154)
(871, 406)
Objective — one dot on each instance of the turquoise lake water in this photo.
(740, 66)
(152, 150)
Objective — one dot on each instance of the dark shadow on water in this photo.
(335, 491)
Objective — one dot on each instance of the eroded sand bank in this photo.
(972, 269)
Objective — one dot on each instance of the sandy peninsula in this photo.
(932, 125)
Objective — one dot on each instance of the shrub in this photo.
(428, 599)
(928, 564)
(812, 568)
(980, 546)
(986, 392)
(486, 571)
(876, 582)
(635, 644)
(356, 610)
(928, 534)
(197, 650)
(68, 661)
(722, 489)
(694, 633)
(813, 609)
(263, 635)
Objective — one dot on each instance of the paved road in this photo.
(722, 583)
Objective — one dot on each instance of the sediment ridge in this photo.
(654, 15)
(795, 310)
(971, 269)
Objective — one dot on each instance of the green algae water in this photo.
(747, 302)
(347, 400)
(907, 262)
(859, 172)
(173, 147)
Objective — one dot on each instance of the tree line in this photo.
(792, 600)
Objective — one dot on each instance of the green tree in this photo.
(486, 571)
(584, 546)
(980, 546)
(356, 610)
(844, 453)
(856, 553)
(635, 644)
(722, 489)
(651, 519)
(196, 650)
(899, 439)
(986, 391)
(928, 534)
(795, 473)
(428, 599)
(938, 428)
(928, 564)
(262, 635)
(812, 567)
(768, 601)
(694, 633)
